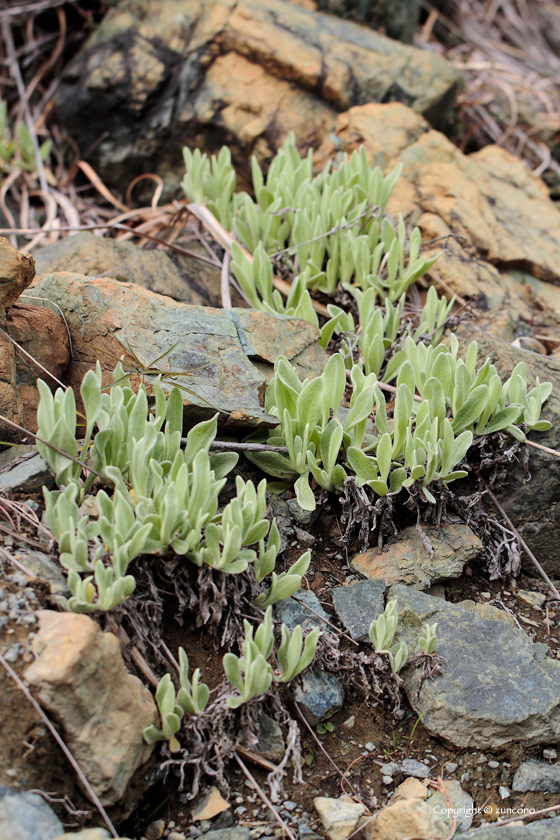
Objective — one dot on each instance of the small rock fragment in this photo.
(210, 805)
(320, 695)
(504, 792)
(550, 754)
(535, 599)
(493, 765)
(410, 767)
(537, 776)
(349, 723)
(339, 816)
(390, 769)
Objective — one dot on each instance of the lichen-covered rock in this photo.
(214, 347)
(409, 561)
(81, 680)
(157, 74)
(495, 686)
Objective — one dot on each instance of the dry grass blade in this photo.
(90, 791)
(264, 797)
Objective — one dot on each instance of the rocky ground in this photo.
(152, 77)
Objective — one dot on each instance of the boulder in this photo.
(495, 686)
(80, 678)
(216, 348)
(159, 74)
(508, 251)
(409, 561)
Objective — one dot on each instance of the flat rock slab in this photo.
(409, 561)
(358, 604)
(537, 776)
(215, 348)
(494, 687)
(158, 75)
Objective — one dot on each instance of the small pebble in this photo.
(387, 780)
(466, 776)
(195, 832)
(493, 765)
(349, 722)
(370, 746)
(290, 806)
(155, 830)
(176, 835)
(550, 754)
(504, 792)
(241, 809)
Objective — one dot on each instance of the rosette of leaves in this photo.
(382, 632)
(251, 674)
(191, 698)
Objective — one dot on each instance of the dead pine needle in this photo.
(90, 791)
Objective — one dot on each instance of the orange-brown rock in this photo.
(81, 680)
(159, 74)
(41, 332)
(503, 248)
(17, 270)
(409, 560)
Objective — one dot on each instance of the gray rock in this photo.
(26, 816)
(504, 792)
(536, 775)
(390, 769)
(540, 830)
(223, 820)
(550, 754)
(358, 604)
(238, 832)
(410, 767)
(47, 569)
(271, 742)
(501, 693)
(319, 696)
(297, 610)
(27, 475)
(493, 765)
(304, 517)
